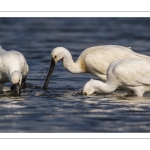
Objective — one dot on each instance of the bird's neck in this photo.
(103, 87)
(70, 65)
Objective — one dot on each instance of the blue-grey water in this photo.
(63, 108)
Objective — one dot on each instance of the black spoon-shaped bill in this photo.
(17, 89)
(52, 66)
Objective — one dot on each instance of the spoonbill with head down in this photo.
(14, 69)
(94, 60)
(133, 74)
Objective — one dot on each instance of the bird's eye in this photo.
(55, 56)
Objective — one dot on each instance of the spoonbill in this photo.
(13, 69)
(94, 60)
(132, 73)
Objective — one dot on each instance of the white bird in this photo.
(94, 60)
(13, 69)
(133, 74)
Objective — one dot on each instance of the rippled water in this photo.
(63, 108)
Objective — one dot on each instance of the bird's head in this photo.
(88, 88)
(16, 79)
(58, 53)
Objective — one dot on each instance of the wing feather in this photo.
(133, 72)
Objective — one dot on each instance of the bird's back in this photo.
(10, 60)
(96, 59)
(130, 72)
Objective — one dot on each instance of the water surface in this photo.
(63, 108)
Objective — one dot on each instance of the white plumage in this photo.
(94, 60)
(133, 74)
(13, 68)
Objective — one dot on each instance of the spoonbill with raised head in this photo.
(133, 74)
(13, 69)
(94, 60)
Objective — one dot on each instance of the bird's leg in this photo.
(1, 88)
(12, 87)
(139, 93)
(23, 83)
(129, 93)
